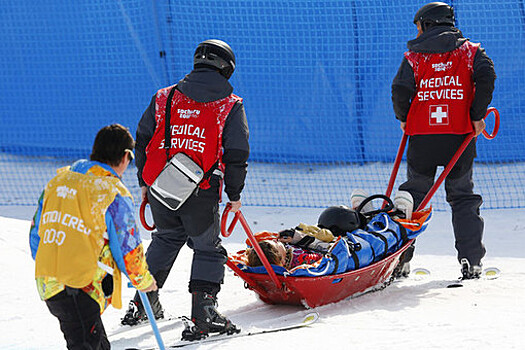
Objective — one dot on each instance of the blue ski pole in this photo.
(151, 318)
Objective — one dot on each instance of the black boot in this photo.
(137, 314)
(403, 267)
(206, 318)
(470, 271)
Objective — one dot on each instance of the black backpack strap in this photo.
(210, 171)
(352, 248)
(380, 236)
(167, 124)
(402, 232)
(305, 242)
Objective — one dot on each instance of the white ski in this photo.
(489, 273)
(293, 322)
(125, 328)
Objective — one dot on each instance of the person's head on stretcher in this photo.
(282, 254)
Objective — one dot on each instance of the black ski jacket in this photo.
(206, 85)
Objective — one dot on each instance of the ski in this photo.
(416, 274)
(125, 328)
(489, 273)
(420, 272)
(307, 320)
(289, 324)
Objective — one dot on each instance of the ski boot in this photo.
(468, 271)
(137, 314)
(205, 318)
(402, 270)
(403, 267)
(357, 197)
(404, 205)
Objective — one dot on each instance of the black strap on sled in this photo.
(402, 232)
(389, 207)
(336, 261)
(352, 248)
(382, 238)
(305, 242)
(370, 214)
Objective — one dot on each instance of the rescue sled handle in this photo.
(496, 123)
(227, 232)
(403, 143)
(143, 215)
(395, 169)
(458, 154)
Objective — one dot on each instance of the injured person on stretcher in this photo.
(344, 239)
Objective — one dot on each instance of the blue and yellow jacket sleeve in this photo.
(34, 238)
(125, 242)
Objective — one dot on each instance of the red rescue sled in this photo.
(308, 291)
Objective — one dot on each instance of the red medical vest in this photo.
(195, 128)
(444, 91)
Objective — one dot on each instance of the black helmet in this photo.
(216, 54)
(434, 13)
(339, 219)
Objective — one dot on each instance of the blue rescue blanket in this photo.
(382, 237)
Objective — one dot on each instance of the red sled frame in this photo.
(307, 291)
(316, 291)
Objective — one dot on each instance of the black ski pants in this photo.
(466, 220)
(80, 321)
(197, 224)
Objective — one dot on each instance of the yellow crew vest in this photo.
(72, 229)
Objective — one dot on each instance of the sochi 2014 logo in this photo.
(188, 113)
(441, 67)
(66, 192)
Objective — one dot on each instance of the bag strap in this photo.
(210, 171)
(167, 124)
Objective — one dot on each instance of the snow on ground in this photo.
(417, 313)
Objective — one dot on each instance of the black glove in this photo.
(287, 233)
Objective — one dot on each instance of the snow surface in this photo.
(416, 313)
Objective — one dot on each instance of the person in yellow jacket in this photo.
(83, 235)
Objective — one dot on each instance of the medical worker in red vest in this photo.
(440, 94)
(83, 234)
(208, 123)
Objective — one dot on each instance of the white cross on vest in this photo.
(439, 115)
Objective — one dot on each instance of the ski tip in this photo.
(455, 285)
(421, 272)
(311, 318)
(491, 273)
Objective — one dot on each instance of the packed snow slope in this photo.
(414, 313)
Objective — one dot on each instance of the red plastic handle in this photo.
(224, 220)
(496, 123)
(395, 169)
(143, 216)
